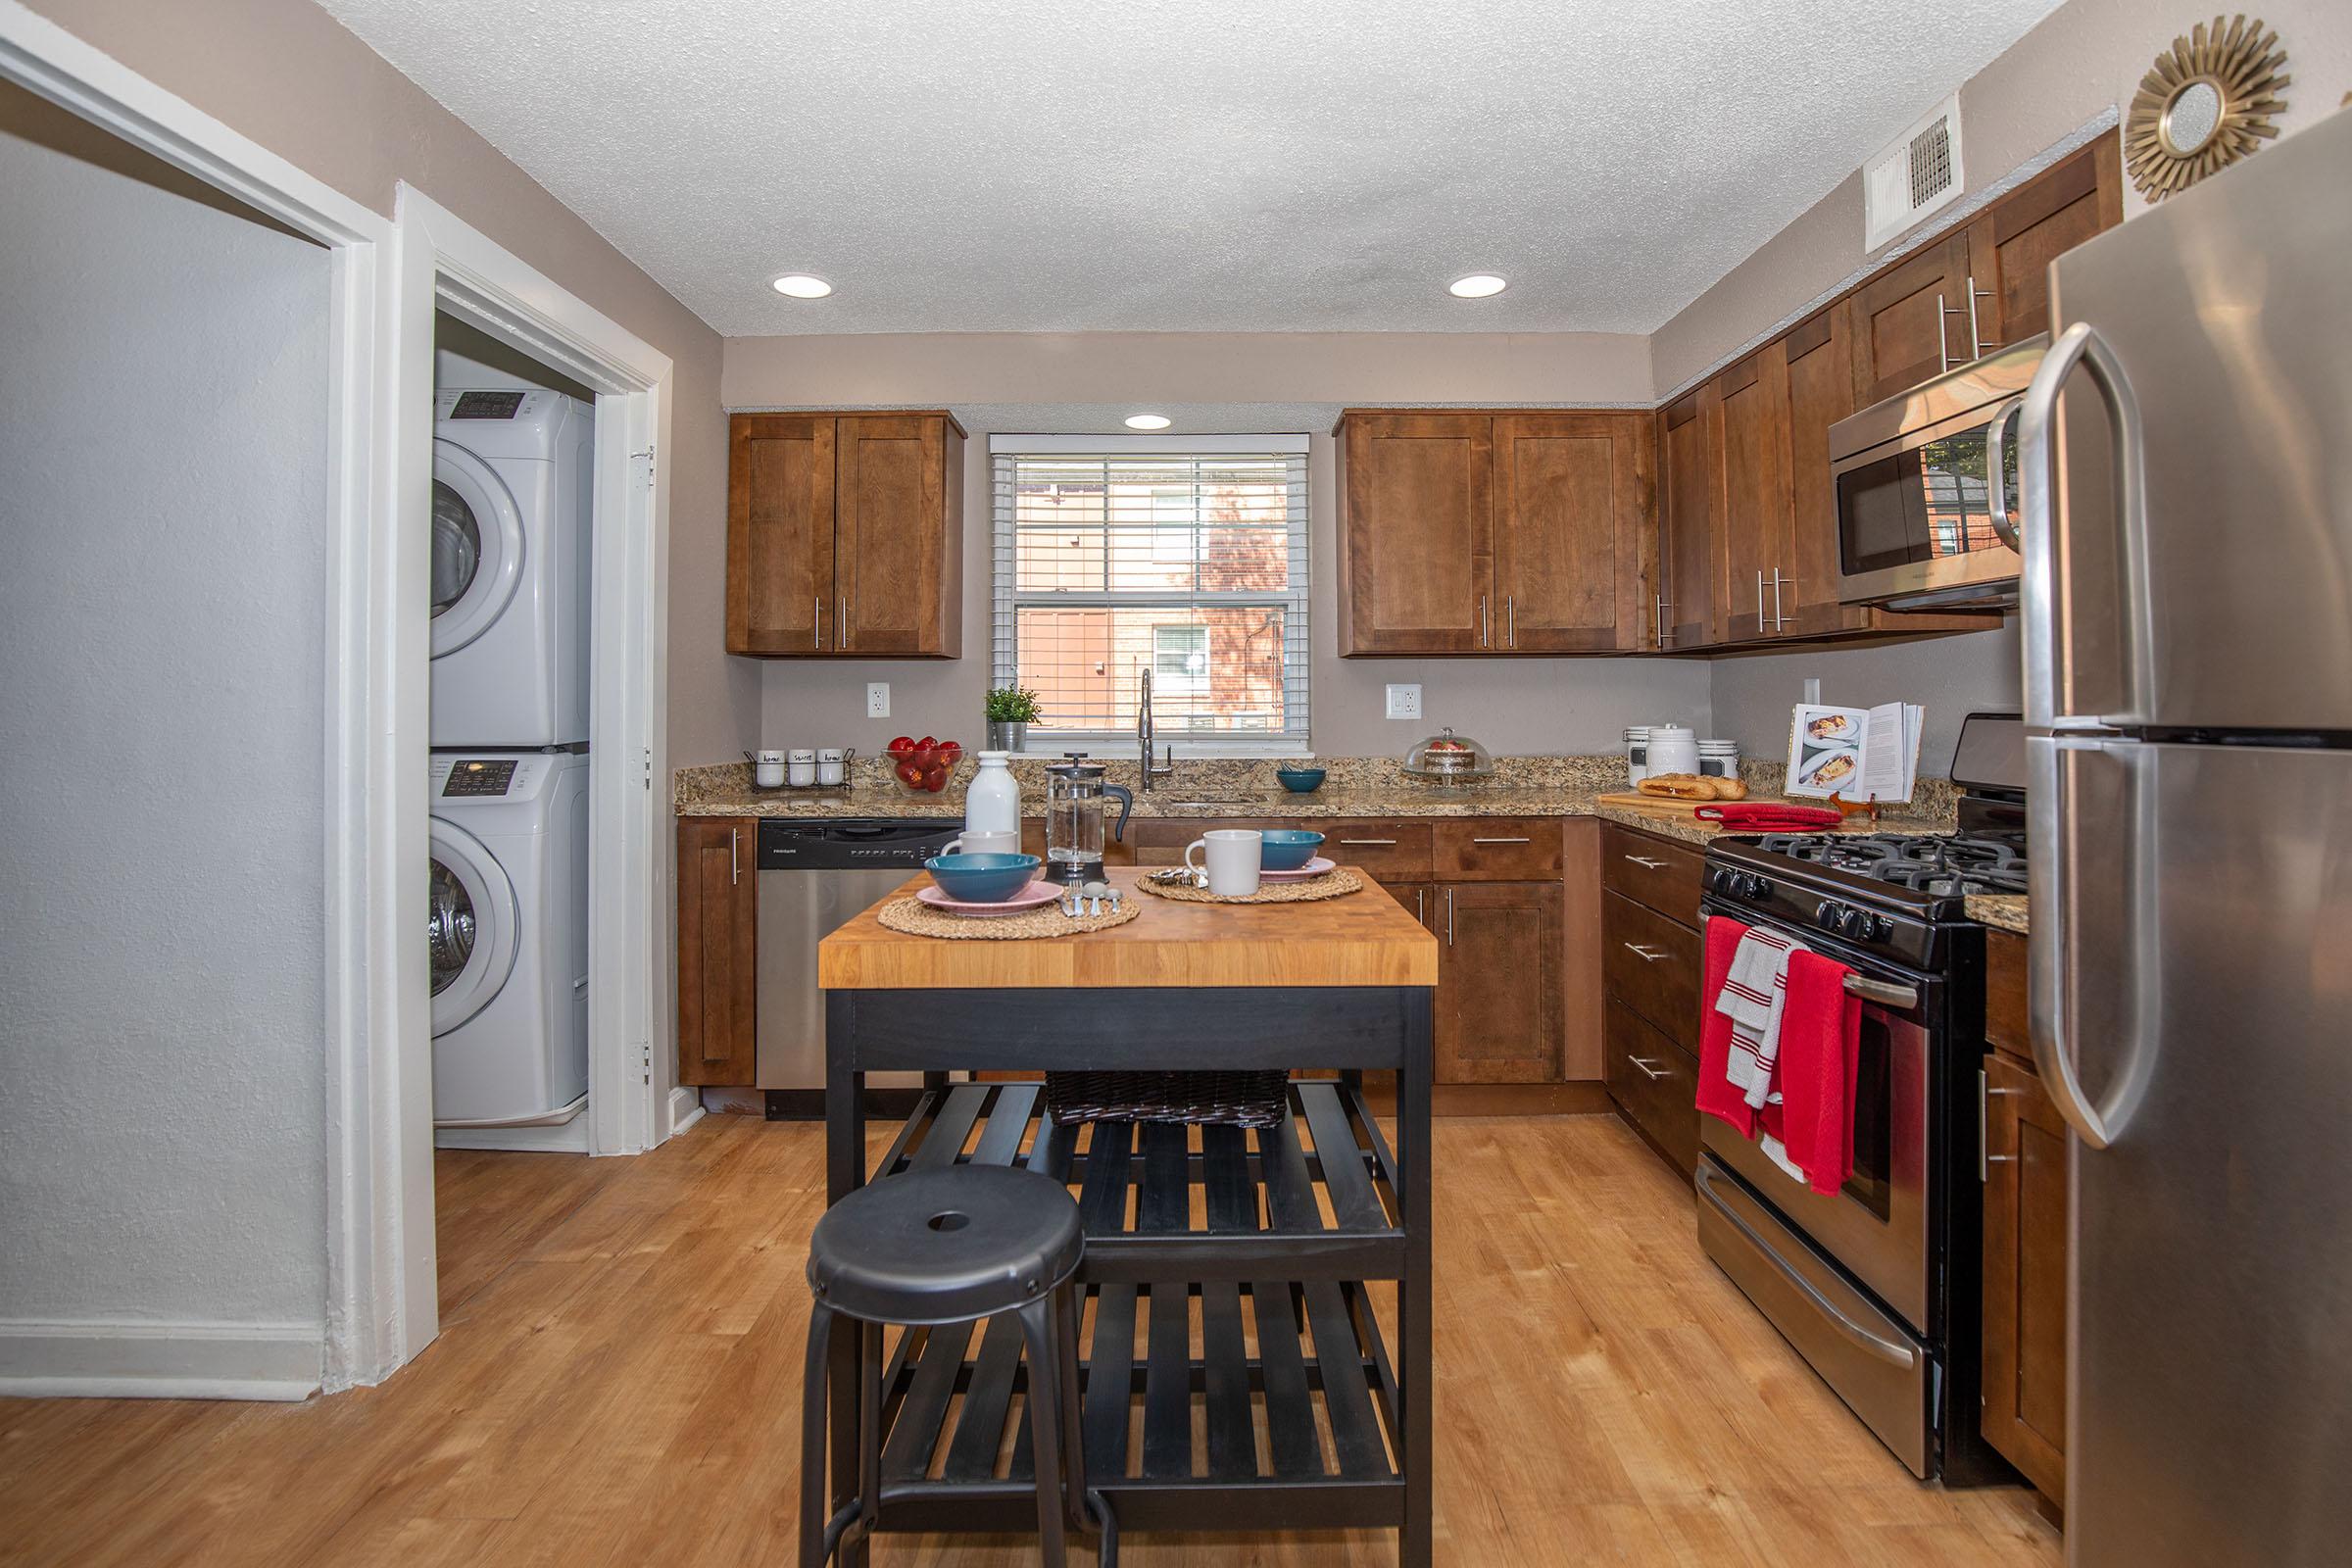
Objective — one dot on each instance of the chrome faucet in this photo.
(1142, 735)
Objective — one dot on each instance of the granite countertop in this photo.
(1358, 787)
(2003, 912)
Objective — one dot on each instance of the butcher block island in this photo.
(1279, 1275)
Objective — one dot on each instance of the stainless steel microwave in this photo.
(1927, 489)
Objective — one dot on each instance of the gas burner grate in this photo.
(1935, 863)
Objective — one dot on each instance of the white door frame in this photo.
(386, 277)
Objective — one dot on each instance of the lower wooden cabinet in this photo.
(2025, 1274)
(1656, 1084)
(718, 935)
(1498, 983)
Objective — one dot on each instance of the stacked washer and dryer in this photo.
(512, 483)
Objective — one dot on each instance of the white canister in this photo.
(992, 802)
(800, 767)
(1636, 753)
(1719, 758)
(1673, 749)
(767, 769)
(828, 764)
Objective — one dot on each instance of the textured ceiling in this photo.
(1192, 165)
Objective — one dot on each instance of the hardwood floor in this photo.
(617, 1383)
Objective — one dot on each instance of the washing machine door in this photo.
(477, 547)
(472, 926)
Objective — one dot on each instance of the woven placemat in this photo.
(919, 920)
(1330, 885)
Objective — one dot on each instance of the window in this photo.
(1184, 556)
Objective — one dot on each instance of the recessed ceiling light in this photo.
(1477, 286)
(1147, 421)
(800, 286)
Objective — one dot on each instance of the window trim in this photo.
(1297, 597)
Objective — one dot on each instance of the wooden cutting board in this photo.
(1669, 807)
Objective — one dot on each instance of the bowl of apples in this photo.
(924, 766)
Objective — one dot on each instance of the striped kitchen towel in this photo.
(1753, 996)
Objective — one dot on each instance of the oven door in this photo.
(1875, 1226)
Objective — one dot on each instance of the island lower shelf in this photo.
(1235, 1370)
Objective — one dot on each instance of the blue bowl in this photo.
(982, 878)
(1301, 780)
(1287, 849)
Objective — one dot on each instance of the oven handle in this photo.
(1885, 1350)
(1885, 993)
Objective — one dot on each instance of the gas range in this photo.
(1896, 897)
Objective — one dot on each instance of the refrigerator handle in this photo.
(2037, 480)
(1996, 455)
(2054, 837)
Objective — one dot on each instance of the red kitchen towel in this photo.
(1768, 817)
(1821, 1049)
(1718, 1095)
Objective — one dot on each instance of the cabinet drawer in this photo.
(1498, 849)
(1656, 1084)
(1392, 851)
(1652, 871)
(1651, 964)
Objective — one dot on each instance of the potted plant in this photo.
(1010, 712)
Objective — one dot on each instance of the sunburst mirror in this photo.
(2205, 103)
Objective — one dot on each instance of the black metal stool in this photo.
(932, 1249)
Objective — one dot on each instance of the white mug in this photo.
(828, 764)
(1232, 856)
(803, 763)
(767, 769)
(971, 843)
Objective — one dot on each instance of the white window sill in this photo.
(1101, 749)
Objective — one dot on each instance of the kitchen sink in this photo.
(1202, 802)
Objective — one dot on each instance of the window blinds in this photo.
(1189, 558)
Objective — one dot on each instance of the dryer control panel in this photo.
(494, 775)
(477, 776)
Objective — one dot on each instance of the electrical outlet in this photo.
(1812, 691)
(1405, 702)
(877, 699)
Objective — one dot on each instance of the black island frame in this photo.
(1183, 1228)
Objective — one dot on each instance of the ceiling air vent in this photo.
(1917, 174)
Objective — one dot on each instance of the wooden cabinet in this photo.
(1911, 320)
(1493, 533)
(1573, 499)
(1749, 464)
(718, 916)
(1683, 608)
(2012, 242)
(1650, 975)
(2025, 1155)
(1819, 355)
(844, 535)
(1498, 983)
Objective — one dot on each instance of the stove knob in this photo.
(1859, 924)
(1719, 880)
(1824, 916)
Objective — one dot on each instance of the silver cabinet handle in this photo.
(1885, 1349)
(1647, 1068)
(1902, 999)
(1997, 458)
(1646, 955)
(1976, 339)
(1759, 602)
(1664, 636)
(1421, 904)
(817, 624)
(1449, 917)
(2036, 480)
(734, 857)
(1779, 620)
(1503, 840)
(1367, 840)
(1510, 620)
(1637, 860)
(1486, 628)
(841, 621)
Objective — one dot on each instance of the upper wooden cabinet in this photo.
(844, 535)
(1683, 606)
(1911, 320)
(2012, 242)
(1493, 533)
(1750, 463)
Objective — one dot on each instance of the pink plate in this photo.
(1036, 896)
(1318, 866)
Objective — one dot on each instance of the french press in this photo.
(1076, 797)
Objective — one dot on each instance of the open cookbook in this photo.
(1863, 753)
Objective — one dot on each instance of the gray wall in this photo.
(163, 385)
(1951, 676)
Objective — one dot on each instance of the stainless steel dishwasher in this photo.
(813, 877)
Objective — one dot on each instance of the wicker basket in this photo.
(1256, 1099)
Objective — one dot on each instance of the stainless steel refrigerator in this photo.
(2185, 505)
